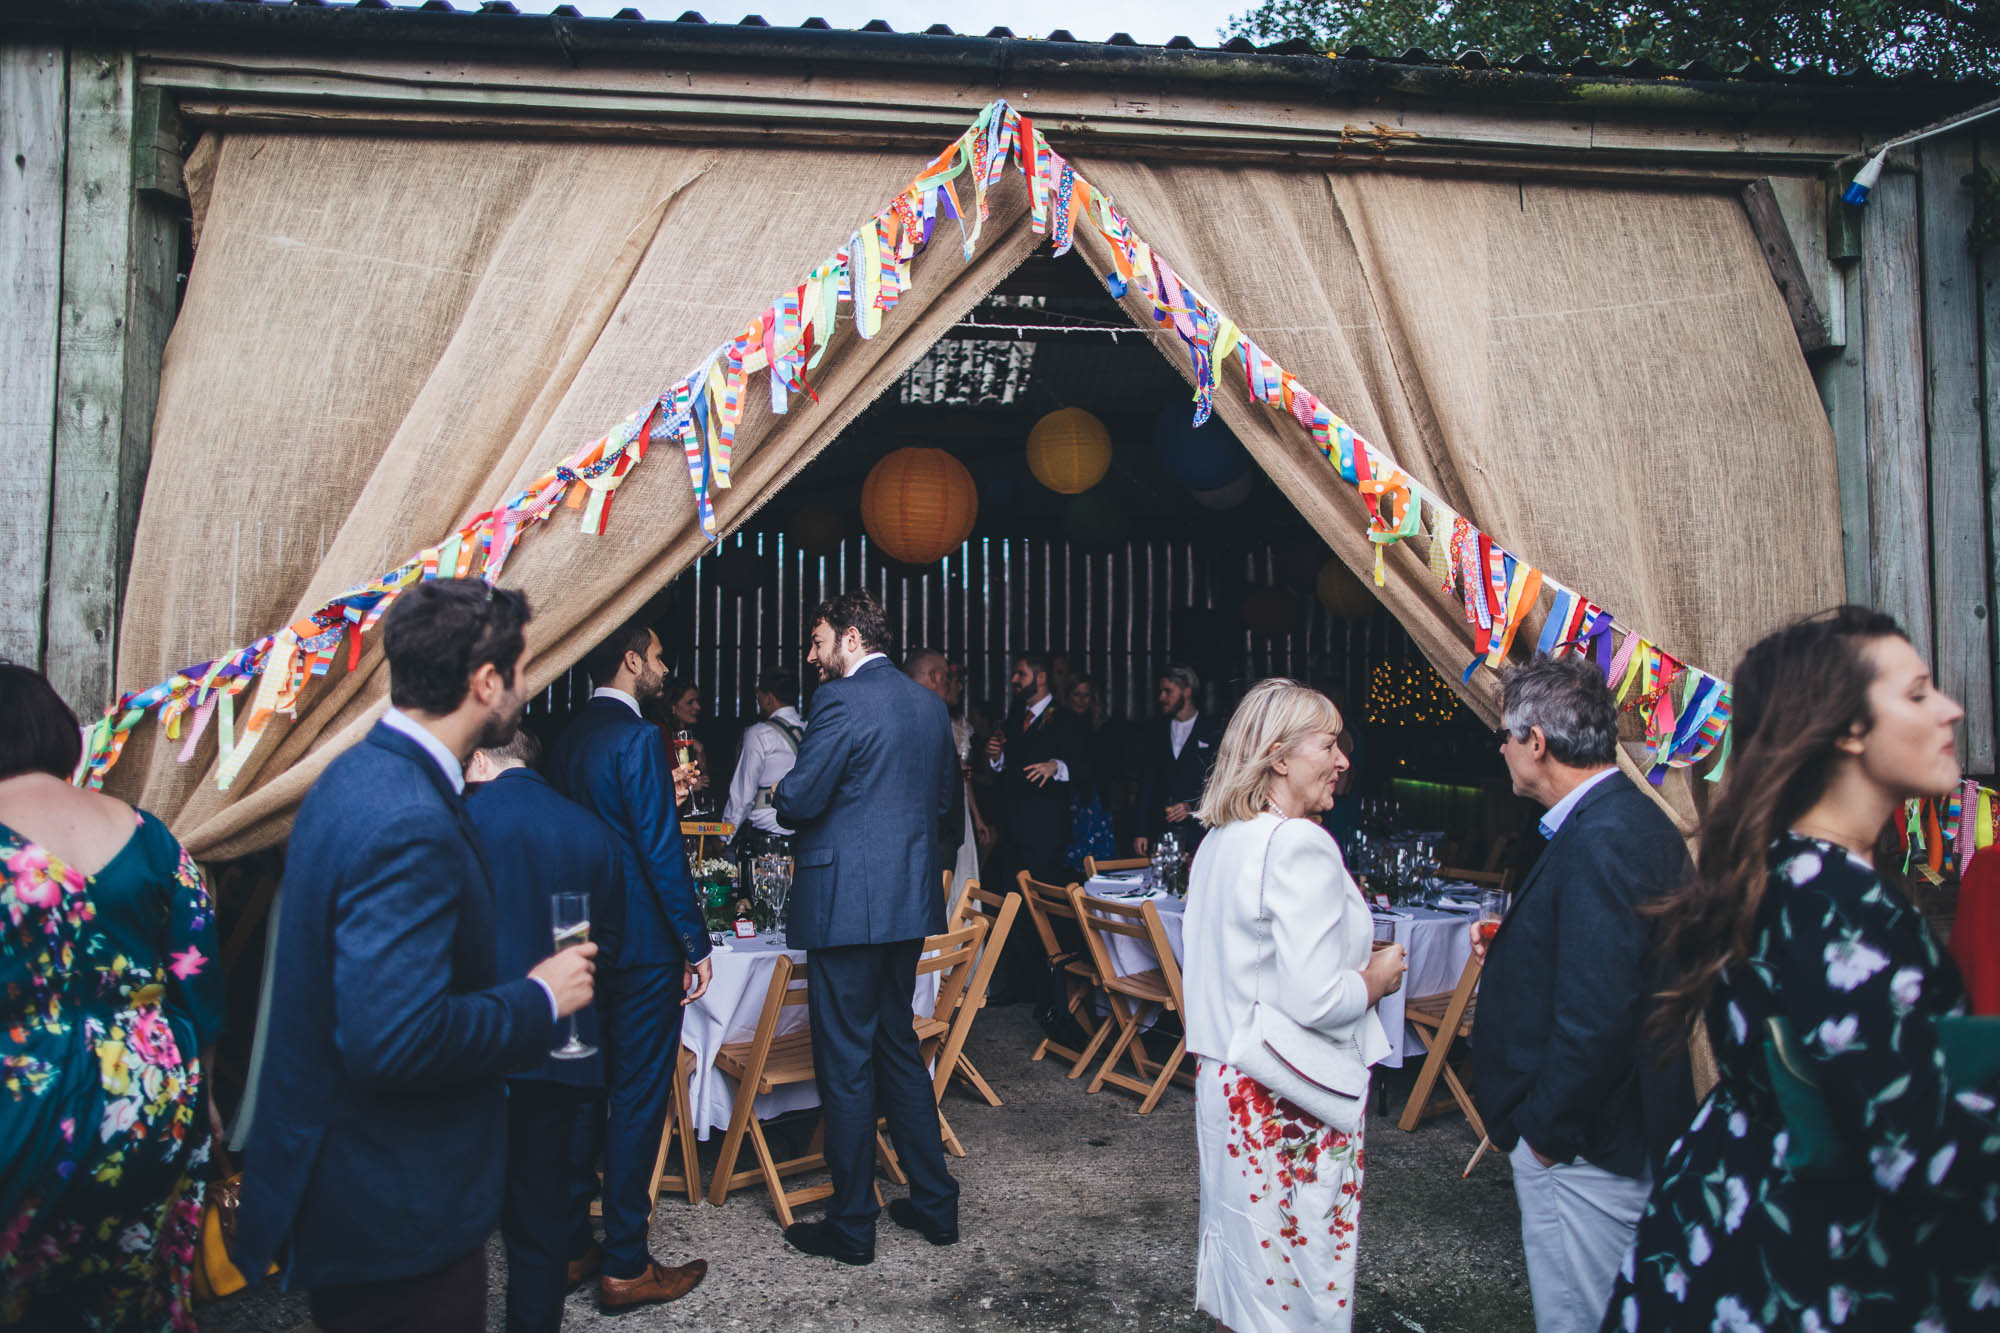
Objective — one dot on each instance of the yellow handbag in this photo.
(215, 1273)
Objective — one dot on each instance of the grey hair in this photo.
(1567, 698)
(1182, 675)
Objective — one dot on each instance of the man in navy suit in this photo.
(1565, 1083)
(869, 796)
(614, 763)
(1180, 750)
(376, 1163)
(540, 844)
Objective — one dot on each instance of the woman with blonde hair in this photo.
(1282, 983)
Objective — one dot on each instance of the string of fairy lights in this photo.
(1409, 694)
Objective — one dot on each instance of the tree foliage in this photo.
(1949, 38)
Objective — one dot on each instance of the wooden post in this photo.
(1961, 595)
(1842, 381)
(1893, 360)
(32, 133)
(1988, 153)
(1781, 256)
(119, 264)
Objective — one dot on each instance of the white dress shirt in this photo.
(610, 692)
(1560, 811)
(397, 720)
(998, 762)
(862, 661)
(1179, 731)
(767, 756)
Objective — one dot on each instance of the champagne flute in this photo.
(571, 915)
(1493, 905)
(683, 756)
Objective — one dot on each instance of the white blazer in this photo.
(1308, 965)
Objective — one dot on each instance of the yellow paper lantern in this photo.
(1069, 451)
(1342, 593)
(919, 505)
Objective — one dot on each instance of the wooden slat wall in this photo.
(1115, 613)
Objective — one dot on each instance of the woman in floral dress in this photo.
(1280, 1189)
(108, 992)
(1837, 723)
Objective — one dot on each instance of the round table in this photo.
(728, 1012)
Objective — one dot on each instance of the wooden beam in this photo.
(1767, 221)
(1899, 513)
(1842, 379)
(90, 380)
(32, 136)
(1988, 155)
(1962, 597)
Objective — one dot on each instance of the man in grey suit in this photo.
(869, 796)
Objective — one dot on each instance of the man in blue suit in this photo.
(540, 844)
(614, 763)
(872, 790)
(375, 1166)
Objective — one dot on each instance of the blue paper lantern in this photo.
(1204, 459)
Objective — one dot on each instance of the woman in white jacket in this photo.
(1279, 967)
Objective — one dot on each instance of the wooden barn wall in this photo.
(1121, 615)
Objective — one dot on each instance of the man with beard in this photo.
(614, 763)
(872, 789)
(376, 1164)
(1038, 754)
(1180, 750)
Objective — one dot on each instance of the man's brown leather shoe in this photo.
(656, 1286)
(583, 1267)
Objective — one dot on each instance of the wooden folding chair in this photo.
(1047, 904)
(999, 911)
(1441, 1020)
(952, 957)
(1502, 880)
(680, 1126)
(1092, 867)
(1130, 994)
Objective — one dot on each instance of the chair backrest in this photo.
(1101, 917)
(952, 956)
(1046, 903)
(787, 988)
(1503, 847)
(972, 995)
(976, 903)
(1485, 879)
(1092, 867)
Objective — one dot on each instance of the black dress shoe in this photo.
(823, 1239)
(904, 1214)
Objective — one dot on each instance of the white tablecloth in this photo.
(1438, 943)
(728, 1012)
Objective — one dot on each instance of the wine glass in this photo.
(781, 886)
(571, 915)
(1493, 905)
(683, 756)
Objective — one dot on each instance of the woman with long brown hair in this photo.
(1837, 723)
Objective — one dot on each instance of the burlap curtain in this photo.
(384, 336)
(1605, 379)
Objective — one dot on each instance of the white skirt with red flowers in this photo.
(1280, 1208)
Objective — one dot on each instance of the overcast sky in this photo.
(1151, 21)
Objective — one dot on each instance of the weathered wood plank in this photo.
(1774, 238)
(31, 198)
(1893, 362)
(154, 301)
(1961, 599)
(90, 381)
(1988, 155)
(1843, 382)
(1802, 203)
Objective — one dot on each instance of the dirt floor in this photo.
(1078, 1213)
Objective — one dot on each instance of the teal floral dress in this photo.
(1731, 1240)
(108, 990)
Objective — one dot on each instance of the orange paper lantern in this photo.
(919, 505)
(1069, 451)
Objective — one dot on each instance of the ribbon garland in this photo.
(1939, 833)
(790, 337)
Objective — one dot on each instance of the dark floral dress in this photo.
(1731, 1239)
(108, 990)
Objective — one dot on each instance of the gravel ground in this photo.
(1077, 1213)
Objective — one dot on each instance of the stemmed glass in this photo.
(571, 915)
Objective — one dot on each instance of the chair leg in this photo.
(1460, 1095)
(970, 1073)
(1172, 1064)
(768, 1167)
(1128, 1031)
(740, 1119)
(886, 1155)
(1427, 1077)
(690, 1152)
(1088, 1053)
(951, 1143)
